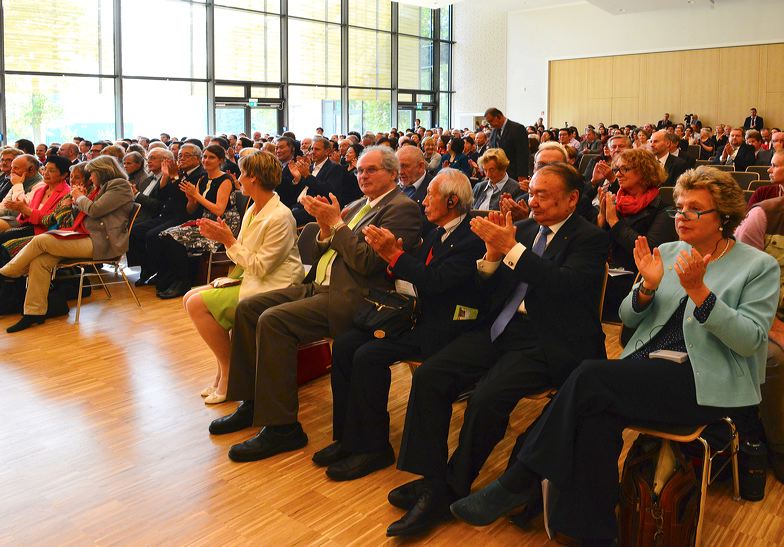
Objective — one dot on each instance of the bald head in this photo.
(69, 150)
(412, 164)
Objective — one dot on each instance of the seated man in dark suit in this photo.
(146, 193)
(144, 245)
(761, 156)
(268, 327)
(736, 152)
(542, 278)
(414, 178)
(285, 150)
(322, 177)
(442, 271)
(753, 121)
(665, 122)
(487, 194)
(661, 144)
(599, 171)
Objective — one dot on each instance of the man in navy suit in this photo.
(542, 279)
(753, 121)
(513, 138)
(322, 177)
(442, 271)
(736, 152)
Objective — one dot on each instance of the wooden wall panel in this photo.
(719, 84)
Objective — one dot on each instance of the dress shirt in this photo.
(317, 167)
(487, 268)
(490, 191)
(153, 185)
(417, 184)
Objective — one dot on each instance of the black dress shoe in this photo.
(359, 465)
(238, 420)
(492, 502)
(175, 291)
(406, 495)
(329, 455)
(429, 511)
(26, 322)
(269, 442)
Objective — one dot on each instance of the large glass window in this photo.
(415, 20)
(272, 6)
(369, 58)
(369, 110)
(314, 53)
(247, 45)
(50, 109)
(323, 10)
(59, 36)
(182, 23)
(415, 63)
(151, 107)
(311, 107)
(370, 14)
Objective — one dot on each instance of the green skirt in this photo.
(222, 303)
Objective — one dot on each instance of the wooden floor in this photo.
(104, 441)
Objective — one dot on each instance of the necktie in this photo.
(518, 295)
(436, 244)
(409, 191)
(327, 258)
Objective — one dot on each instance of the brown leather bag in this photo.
(647, 520)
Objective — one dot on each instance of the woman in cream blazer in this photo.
(266, 257)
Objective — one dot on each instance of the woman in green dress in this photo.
(266, 257)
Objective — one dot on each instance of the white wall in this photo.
(583, 30)
(479, 75)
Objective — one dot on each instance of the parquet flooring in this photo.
(104, 441)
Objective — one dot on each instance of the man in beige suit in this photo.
(268, 327)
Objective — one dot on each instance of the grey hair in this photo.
(160, 151)
(192, 147)
(156, 144)
(552, 145)
(620, 136)
(135, 157)
(389, 160)
(106, 168)
(453, 182)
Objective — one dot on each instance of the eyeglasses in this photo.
(179, 156)
(622, 169)
(368, 170)
(688, 214)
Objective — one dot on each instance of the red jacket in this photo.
(39, 211)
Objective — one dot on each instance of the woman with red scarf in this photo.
(635, 210)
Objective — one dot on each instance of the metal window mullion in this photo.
(3, 103)
(344, 60)
(394, 64)
(119, 130)
(211, 117)
(283, 115)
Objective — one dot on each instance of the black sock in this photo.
(284, 429)
(518, 477)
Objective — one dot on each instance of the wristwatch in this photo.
(646, 291)
(335, 227)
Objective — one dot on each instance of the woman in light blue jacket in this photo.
(706, 297)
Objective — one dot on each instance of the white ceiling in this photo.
(614, 7)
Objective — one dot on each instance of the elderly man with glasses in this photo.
(144, 246)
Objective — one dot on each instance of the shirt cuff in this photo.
(513, 256)
(702, 312)
(486, 268)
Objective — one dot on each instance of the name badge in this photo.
(464, 313)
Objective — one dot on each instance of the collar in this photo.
(663, 159)
(451, 226)
(499, 184)
(418, 183)
(504, 126)
(188, 173)
(320, 165)
(379, 198)
(557, 226)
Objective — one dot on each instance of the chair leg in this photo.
(100, 278)
(706, 465)
(79, 296)
(734, 448)
(130, 287)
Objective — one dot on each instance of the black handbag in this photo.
(386, 314)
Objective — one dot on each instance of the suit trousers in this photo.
(577, 440)
(360, 387)
(503, 372)
(144, 245)
(37, 259)
(268, 328)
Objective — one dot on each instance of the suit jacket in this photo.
(664, 124)
(510, 187)
(287, 190)
(329, 179)
(675, 167)
(743, 158)
(653, 222)
(594, 147)
(151, 205)
(758, 123)
(447, 282)
(356, 266)
(763, 157)
(421, 193)
(514, 142)
(108, 218)
(5, 186)
(173, 199)
(564, 291)
(266, 249)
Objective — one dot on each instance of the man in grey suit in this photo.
(761, 156)
(513, 138)
(488, 193)
(269, 327)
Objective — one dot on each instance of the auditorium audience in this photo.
(488, 193)
(736, 152)
(691, 300)
(265, 254)
(100, 230)
(662, 145)
(25, 179)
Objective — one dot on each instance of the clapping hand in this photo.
(610, 212)
(189, 190)
(601, 171)
(77, 191)
(519, 210)
(497, 231)
(325, 211)
(690, 268)
(216, 231)
(524, 183)
(383, 242)
(648, 263)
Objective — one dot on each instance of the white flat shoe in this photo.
(207, 391)
(214, 398)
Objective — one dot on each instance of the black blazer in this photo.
(653, 222)
(151, 205)
(758, 123)
(564, 292)
(514, 142)
(329, 179)
(675, 166)
(421, 193)
(287, 190)
(743, 158)
(447, 282)
(173, 199)
(763, 157)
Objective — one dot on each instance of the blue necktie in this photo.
(518, 295)
(409, 191)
